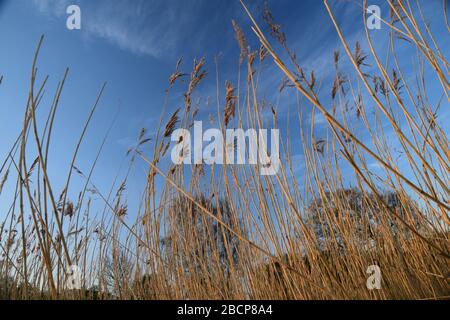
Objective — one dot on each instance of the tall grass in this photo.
(226, 232)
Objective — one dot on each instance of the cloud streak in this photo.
(140, 26)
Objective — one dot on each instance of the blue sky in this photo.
(133, 46)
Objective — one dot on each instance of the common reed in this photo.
(226, 232)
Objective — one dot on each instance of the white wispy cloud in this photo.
(141, 26)
(51, 7)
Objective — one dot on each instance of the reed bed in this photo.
(225, 231)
